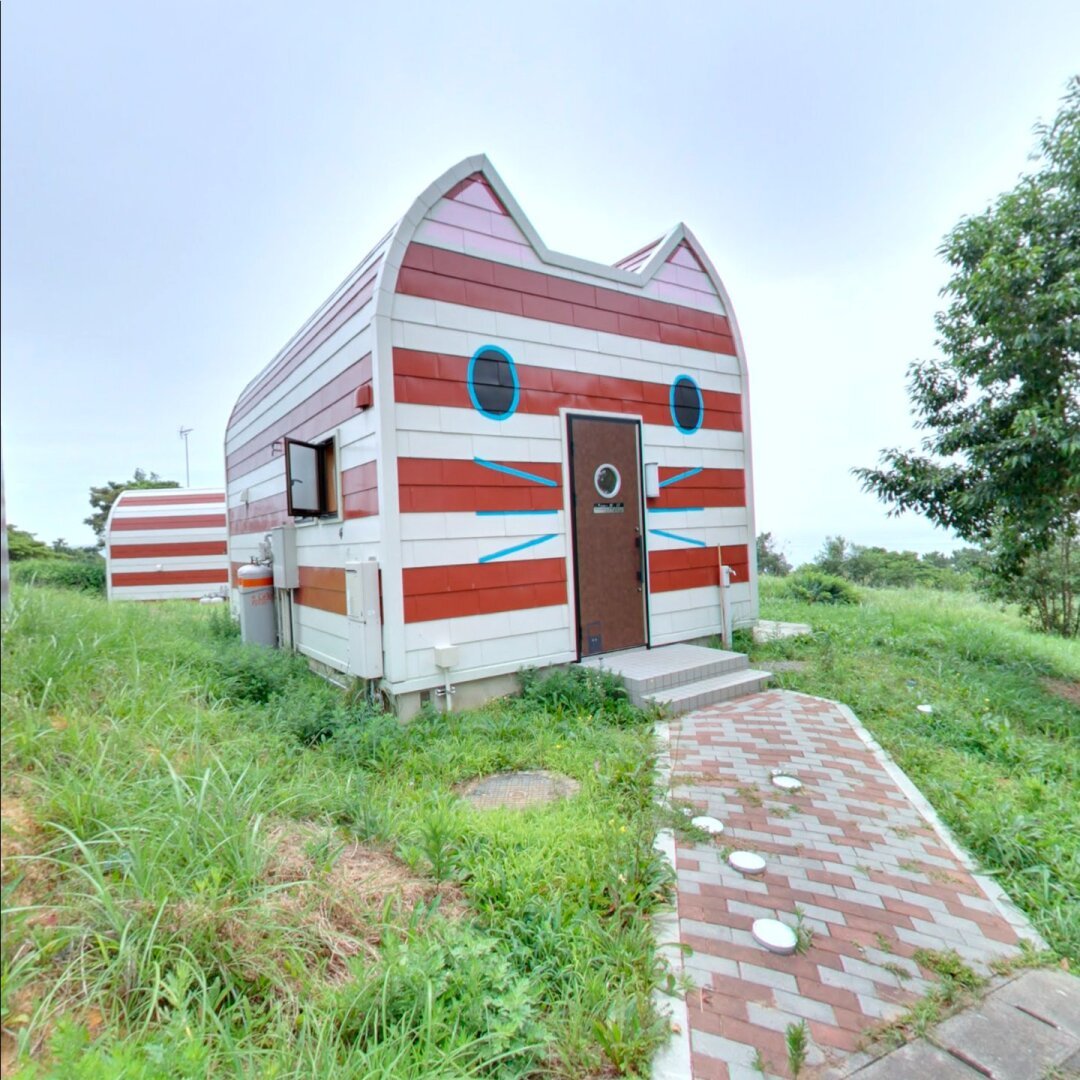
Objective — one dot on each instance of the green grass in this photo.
(999, 756)
(221, 866)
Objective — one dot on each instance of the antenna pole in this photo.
(184, 433)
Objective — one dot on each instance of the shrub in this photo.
(815, 587)
(577, 691)
(83, 575)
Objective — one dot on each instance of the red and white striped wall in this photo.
(167, 544)
(469, 517)
(479, 509)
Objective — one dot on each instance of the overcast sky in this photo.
(183, 183)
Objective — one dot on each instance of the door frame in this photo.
(565, 415)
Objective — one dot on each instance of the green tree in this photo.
(833, 556)
(25, 545)
(1047, 589)
(102, 498)
(1001, 407)
(769, 559)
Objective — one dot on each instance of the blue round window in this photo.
(687, 405)
(493, 383)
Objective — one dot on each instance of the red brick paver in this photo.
(856, 851)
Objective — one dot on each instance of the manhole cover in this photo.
(516, 790)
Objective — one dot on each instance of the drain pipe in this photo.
(446, 657)
(726, 574)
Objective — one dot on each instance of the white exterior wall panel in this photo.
(157, 547)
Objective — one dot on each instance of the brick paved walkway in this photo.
(858, 850)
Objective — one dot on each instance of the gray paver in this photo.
(804, 1006)
(918, 1061)
(1052, 996)
(1004, 1042)
(778, 980)
(725, 1049)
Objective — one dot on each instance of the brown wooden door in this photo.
(605, 469)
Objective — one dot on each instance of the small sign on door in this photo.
(607, 508)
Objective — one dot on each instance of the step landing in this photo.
(681, 677)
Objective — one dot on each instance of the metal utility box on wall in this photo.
(286, 567)
(365, 623)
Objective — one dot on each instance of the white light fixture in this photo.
(746, 862)
(709, 824)
(652, 480)
(786, 783)
(775, 936)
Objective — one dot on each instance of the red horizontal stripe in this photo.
(322, 587)
(448, 592)
(127, 500)
(259, 516)
(455, 278)
(423, 378)
(695, 568)
(326, 408)
(360, 490)
(188, 521)
(431, 485)
(280, 369)
(167, 551)
(204, 576)
(710, 487)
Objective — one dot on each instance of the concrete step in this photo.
(649, 671)
(685, 698)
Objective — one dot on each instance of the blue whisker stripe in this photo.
(675, 536)
(517, 547)
(680, 476)
(676, 509)
(496, 467)
(511, 513)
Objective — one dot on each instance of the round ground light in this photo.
(786, 783)
(775, 936)
(709, 824)
(746, 862)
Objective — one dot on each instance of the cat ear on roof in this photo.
(475, 191)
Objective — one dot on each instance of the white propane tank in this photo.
(258, 621)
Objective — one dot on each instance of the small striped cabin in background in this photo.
(544, 457)
(167, 544)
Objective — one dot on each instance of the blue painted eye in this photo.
(493, 383)
(687, 404)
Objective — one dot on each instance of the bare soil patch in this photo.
(1066, 689)
(344, 893)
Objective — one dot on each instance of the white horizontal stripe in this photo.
(476, 628)
(707, 596)
(128, 512)
(324, 622)
(712, 536)
(469, 525)
(348, 344)
(459, 552)
(439, 431)
(167, 536)
(165, 592)
(167, 565)
(461, 330)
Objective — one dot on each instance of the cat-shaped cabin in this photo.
(480, 455)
